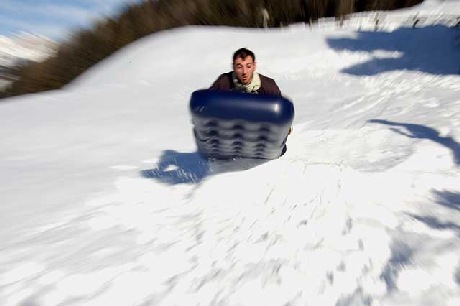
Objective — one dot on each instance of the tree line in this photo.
(88, 47)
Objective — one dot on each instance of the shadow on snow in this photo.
(190, 168)
(448, 199)
(401, 256)
(402, 252)
(457, 276)
(436, 223)
(179, 168)
(423, 132)
(430, 49)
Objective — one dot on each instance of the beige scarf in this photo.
(252, 87)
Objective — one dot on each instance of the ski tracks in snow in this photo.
(294, 241)
(290, 231)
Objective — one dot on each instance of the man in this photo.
(244, 77)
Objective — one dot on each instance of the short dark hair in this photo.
(243, 53)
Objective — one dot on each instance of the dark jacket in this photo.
(267, 86)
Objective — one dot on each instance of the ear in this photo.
(255, 65)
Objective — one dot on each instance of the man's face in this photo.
(244, 69)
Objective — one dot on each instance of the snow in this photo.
(104, 200)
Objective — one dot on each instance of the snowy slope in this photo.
(104, 201)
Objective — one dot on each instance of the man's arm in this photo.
(269, 86)
(222, 82)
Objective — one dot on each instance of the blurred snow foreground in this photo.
(104, 200)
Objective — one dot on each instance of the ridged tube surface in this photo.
(230, 124)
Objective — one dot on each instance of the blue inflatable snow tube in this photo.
(229, 124)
